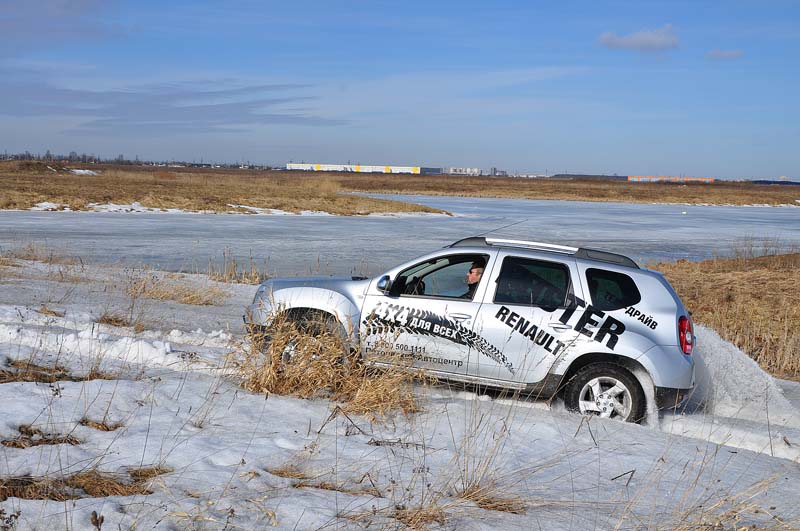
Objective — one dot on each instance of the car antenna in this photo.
(501, 228)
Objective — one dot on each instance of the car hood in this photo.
(357, 284)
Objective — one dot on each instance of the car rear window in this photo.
(532, 283)
(610, 290)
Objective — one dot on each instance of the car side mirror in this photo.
(384, 284)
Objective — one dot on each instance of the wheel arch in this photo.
(629, 364)
(300, 301)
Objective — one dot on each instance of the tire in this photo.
(606, 390)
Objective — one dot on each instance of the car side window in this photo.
(529, 282)
(610, 290)
(440, 277)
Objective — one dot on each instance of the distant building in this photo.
(465, 171)
(355, 168)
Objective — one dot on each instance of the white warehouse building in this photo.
(357, 168)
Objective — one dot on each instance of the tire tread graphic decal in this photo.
(394, 319)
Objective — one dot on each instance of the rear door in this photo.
(520, 314)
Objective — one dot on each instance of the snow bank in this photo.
(46, 206)
(731, 384)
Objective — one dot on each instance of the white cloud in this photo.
(722, 55)
(646, 40)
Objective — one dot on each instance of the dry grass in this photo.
(154, 287)
(88, 484)
(118, 320)
(233, 272)
(37, 253)
(26, 371)
(327, 485)
(44, 310)
(321, 365)
(102, 425)
(720, 192)
(290, 471)
(215, 190)
(420, 517)
(208, 190)
(750, 301)
(30, 436)
(491, 497)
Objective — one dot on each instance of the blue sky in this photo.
(627, 87)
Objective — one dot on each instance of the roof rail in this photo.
(480, 241)
(533, 245)
(577, 252)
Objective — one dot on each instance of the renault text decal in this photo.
(519, 324)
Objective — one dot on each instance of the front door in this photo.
(427, 315)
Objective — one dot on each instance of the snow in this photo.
(47, 206)
(83, 172)
(180, 408)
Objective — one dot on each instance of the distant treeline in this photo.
(790, 183)
(580, 176)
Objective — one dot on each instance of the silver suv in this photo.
(541, 320)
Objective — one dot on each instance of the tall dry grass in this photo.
(751, 301)
(232, 271)
(151, 285)
(310, 360)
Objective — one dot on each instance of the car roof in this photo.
(585, 253)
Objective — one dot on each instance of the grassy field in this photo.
(750, 301)
(25, 184)
(718, 193)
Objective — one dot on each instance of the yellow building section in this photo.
(317, 167)
(358, 167)
(387, 169)
(415, 169)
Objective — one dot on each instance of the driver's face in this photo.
(474, 275)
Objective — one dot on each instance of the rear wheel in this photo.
(606, 390)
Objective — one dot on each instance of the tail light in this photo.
(686, 334)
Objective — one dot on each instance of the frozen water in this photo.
(297, 245)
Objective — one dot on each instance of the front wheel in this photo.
(606, 390)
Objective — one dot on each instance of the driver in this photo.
(474, 277)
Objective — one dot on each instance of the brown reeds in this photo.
(27, 371)
(154, 287)
(310, 359)
(44, 310)
(100, 425)
(118, 320)
(87, 484)
(30, 436)
(751, 301)
(234, 272)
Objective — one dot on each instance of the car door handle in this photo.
(561, 327)
(459, 316)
